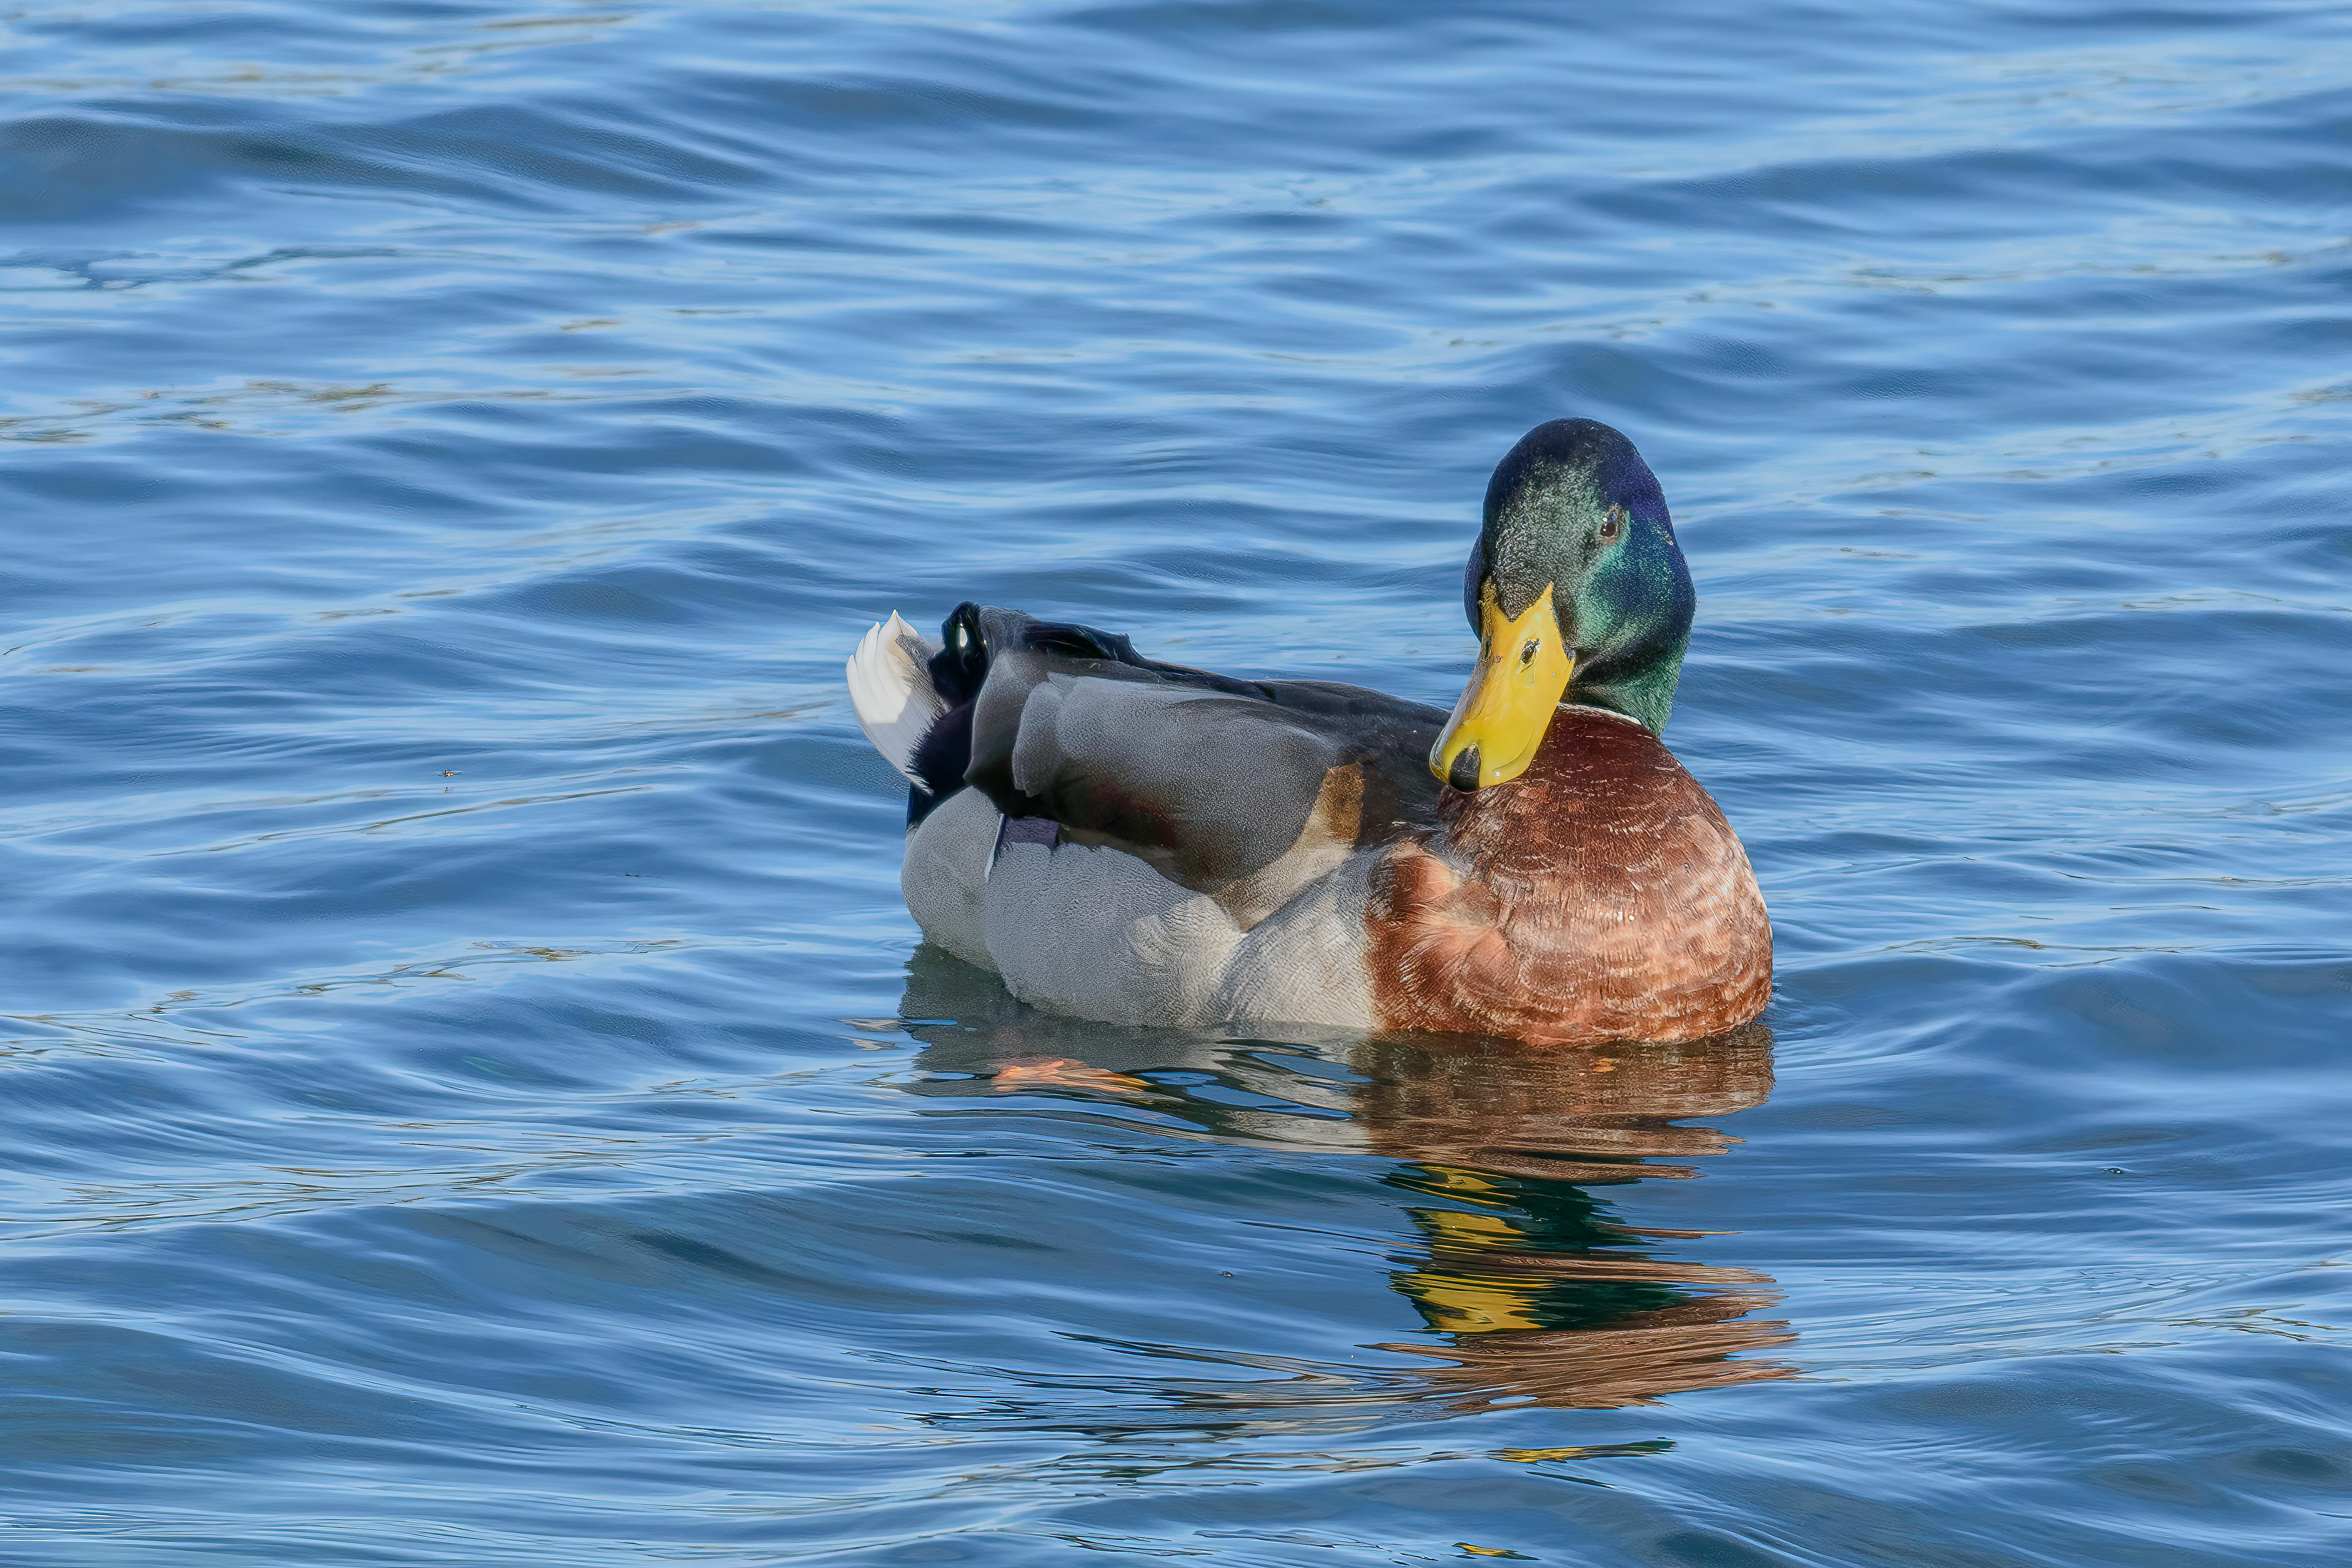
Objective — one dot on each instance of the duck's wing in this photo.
(1211, 780)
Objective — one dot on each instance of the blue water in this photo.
(473, 1094)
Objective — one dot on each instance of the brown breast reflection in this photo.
(1541, 1295)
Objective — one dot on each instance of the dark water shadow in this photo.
(1533, 1290)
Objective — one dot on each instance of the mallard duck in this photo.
(1138, 842)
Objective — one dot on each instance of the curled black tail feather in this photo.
(960, 669)
(939, 760)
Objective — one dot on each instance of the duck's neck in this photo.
(1643, 691)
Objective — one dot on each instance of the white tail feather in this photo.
(890, 687)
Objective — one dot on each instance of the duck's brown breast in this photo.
(1600, 896)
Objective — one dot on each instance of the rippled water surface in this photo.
(473, 1093)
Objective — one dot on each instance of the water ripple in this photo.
(475, 1093)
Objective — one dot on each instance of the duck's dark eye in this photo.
(1527, 653)
(1613, 525)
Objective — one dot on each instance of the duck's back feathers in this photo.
(1209, 780)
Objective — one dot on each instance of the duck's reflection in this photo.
(1539, 1295)
(1542, 1295)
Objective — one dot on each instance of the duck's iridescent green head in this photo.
(1579, 593)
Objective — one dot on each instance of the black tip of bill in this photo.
(1464, 774)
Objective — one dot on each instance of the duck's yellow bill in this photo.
(1523, 670)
